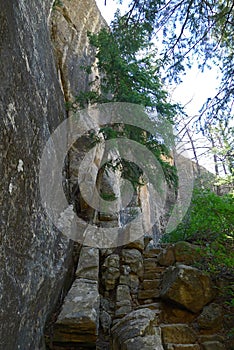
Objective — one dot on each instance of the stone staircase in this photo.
(150, 287)
(118, 302)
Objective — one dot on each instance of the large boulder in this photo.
(188, 287)
(136, 331)
(167, 256)
(172, 314)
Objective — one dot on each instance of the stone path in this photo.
(131, 299)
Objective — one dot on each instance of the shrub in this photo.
(209, 222)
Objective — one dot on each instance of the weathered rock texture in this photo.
(78, 321)
(34, 258)
(138, 330)
(143, 305)
(188, 287)
(70, 23)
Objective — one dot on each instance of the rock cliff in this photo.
(69, 23)
(35, 259)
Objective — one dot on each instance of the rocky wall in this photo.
(35, 259)
(70, 22)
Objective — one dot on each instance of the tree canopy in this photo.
(191, 33)
(154, 43)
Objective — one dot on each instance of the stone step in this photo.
(151, 267)
(152, 276)
(211, 337)
(148, 294)
(172, 346)
(153, 253)
(152, 306)
(178, 334)
(150, 262)
(213, 345)
(150, 284)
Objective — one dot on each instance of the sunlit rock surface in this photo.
(188, 287)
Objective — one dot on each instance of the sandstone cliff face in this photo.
(34, 257)
(69, 25)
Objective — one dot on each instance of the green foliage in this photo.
(128, 72)
(130, 170)
(57, 3)
(108, 196)
(220, 134)
(192, 32)
(209, 217)
(209, 222)
(227, 180)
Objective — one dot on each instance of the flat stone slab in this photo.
(88, 265)
(183, 347)
(213, 345)
(79, 319)
(148, 294)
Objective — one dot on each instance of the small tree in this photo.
(129, 72)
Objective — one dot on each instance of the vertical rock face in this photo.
(69, 26)
(34, 258)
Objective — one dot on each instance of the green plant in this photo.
(209, 217)
(129, 72)
(57, 3)
(108, 196)
(131, 171)
(209, 222)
